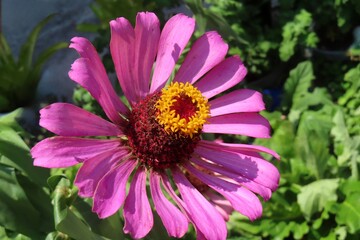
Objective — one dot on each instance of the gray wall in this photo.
(19, 17)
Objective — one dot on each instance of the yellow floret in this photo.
(171, 121)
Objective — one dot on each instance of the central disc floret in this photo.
(164, 128)
(182, 109)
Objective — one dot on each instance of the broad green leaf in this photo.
(10, 120)
(9, 235)
(314, 196)
(297, 85)
(319, 96)
(349, 212)
(108, 227)
(352, 79)
(312, 141)
(16, 211)
(40, 199)
(66, 221)
(350, 146)
(15, 153)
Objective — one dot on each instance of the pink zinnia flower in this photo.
(159, 136)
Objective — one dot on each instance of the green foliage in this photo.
(19, 78)
(297, 32)
(314, 196)
(319, 187)
(25, 206)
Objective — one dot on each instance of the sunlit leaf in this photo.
(315, 195)
(16, 211)
(15, 153)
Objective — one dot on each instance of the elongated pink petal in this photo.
(111, 190)
(147, 34)
(174, 37)
(137, 211)
(263, 191)
(206, 218)
(237, 147)
(222, 205)
(206, 52)
(89, 72)
(95, 168)
(182, 206)
(253, 168)
(225, 75)
(243, 100)
(68, 120)
(122, 45)
(241, 199)
(174, 221)
(248, 124)
(59, 152)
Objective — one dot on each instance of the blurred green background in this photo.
(304, 56)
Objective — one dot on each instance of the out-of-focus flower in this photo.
(158, 138)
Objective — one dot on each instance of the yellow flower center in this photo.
(182, 109)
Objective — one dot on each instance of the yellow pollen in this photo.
(169, 117)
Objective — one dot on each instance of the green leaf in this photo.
(66, 220)
(15, 153)
(108, 227)
(41, 200)
(312, 141)
(9, 235)
(349, 153)
(297, 85)
(314, 196)
(27, 50)
(6, 57)
(16, 211)
(319, 96)
(10, 120)
(43, 57)
(297, 32)
(349, 212)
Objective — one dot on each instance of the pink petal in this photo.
(241, 199)
(248, 124)
(95, 168)
(68, 120)
(253, 168)
(122, 44)
(222, 205)
(59, 152)
(137, 211)
(89, 72)
(263, 191)
(173, 219)
(225, 75)
(236, 147)
(206, 218)
(206, 52)
(147, 34)
(174, 37)
(182, 206)
(243, 100)
(111, 190)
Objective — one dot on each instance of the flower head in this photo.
(158, 136)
